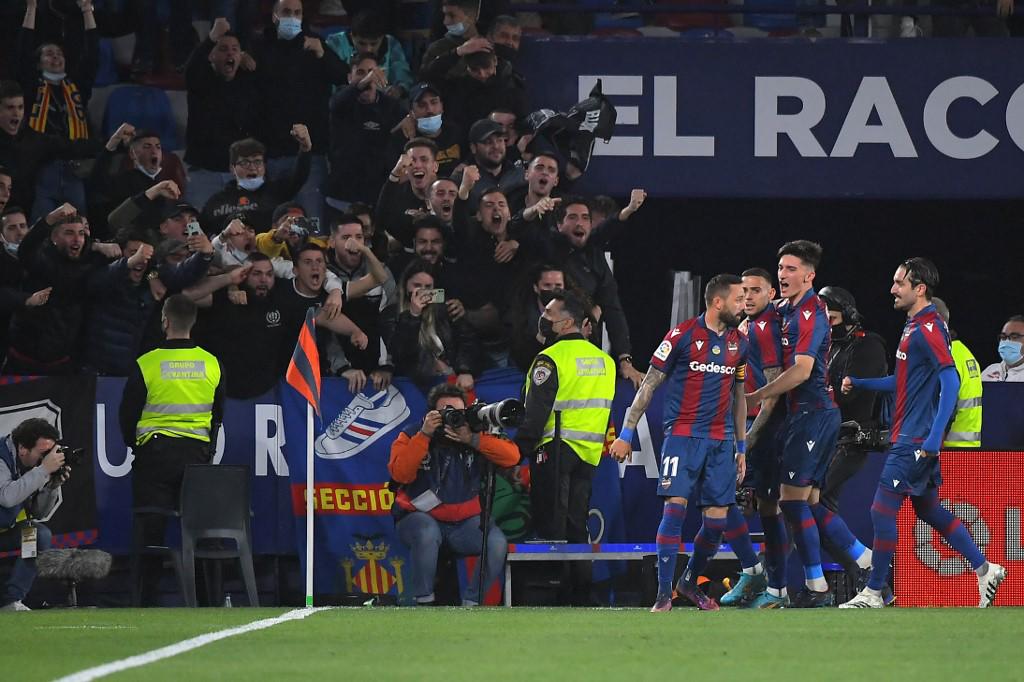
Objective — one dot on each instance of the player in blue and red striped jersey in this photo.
(702, 457)
(764, 363)
(811, 426)
(926, 385)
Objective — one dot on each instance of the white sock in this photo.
(982, 570)
(873, 593)
(777, 592)
(864, 560)
(756, 569)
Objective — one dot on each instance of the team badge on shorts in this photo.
(666, 483)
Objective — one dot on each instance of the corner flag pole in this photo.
(309, 505)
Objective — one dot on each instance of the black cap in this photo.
(177, 209)
(483, 129)
(417, 91)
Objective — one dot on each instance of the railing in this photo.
(768, 8)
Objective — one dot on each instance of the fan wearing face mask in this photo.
(1011, 364)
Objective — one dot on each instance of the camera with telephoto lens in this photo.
(852, 434)
(479, 416)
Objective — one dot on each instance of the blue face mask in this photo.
(456, 29)
(251, 184)
(429, 125)
(1010, 351)
(288, 27)
(11, 248)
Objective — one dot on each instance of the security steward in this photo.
(965, 431)
(576, 379)
(170, 413)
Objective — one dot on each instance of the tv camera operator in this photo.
(864, 427)
(442, 469)
(32, 469)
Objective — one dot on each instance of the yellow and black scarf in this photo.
(78, 126)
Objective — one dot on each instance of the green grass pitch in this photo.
(527, 644)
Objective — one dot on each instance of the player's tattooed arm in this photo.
(767, 407)
(644, 394)
(622, 447)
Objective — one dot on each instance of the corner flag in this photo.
(304, 368)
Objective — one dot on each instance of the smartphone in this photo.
(314, 223)
(193, 229)
(433, 295)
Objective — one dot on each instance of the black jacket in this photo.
(50, 332)
(220, 112)
(26, 152)
(359, 133)
(118, 318)
(258, 205)
(294, 87)
(859, 354)
(461, 346)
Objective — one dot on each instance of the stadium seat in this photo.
(215, 505)
(106, 72)
(143, 107)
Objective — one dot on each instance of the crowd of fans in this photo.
(411, 202)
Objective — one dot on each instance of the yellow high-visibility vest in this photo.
(180, 388)
(965, 432)
(586, 386)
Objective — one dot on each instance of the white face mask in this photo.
(251, 184)
(54, 77)
(429, 125)
(151, 176)
(288, 27)
(456, 29)
(11, 248)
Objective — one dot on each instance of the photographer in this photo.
(32, 470)
(439, 469)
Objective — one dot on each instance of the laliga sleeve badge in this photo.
(664, 350)
(541, 374)
(28, 542)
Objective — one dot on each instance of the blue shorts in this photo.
(905, 472)
(764, 460)
(701, 470)
(808, 441)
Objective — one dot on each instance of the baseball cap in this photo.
(177, 209)
(417, 91)
(483, 129)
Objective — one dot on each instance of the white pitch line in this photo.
(185, 645)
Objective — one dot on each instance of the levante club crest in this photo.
(373, 577)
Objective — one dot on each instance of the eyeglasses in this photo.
(1011, 337)
(250, 163)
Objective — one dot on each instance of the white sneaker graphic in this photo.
(361, 423)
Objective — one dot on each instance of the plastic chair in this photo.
(216, 505)
(145, 108)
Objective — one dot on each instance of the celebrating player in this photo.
(924, 372)
(704, 360)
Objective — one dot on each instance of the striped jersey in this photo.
(806, 331)
(923, 352)
(764, 334)
(703, 368)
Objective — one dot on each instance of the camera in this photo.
(479, 416)
(852, 434)
(72, 456)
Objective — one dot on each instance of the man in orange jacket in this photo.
(439, 468)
